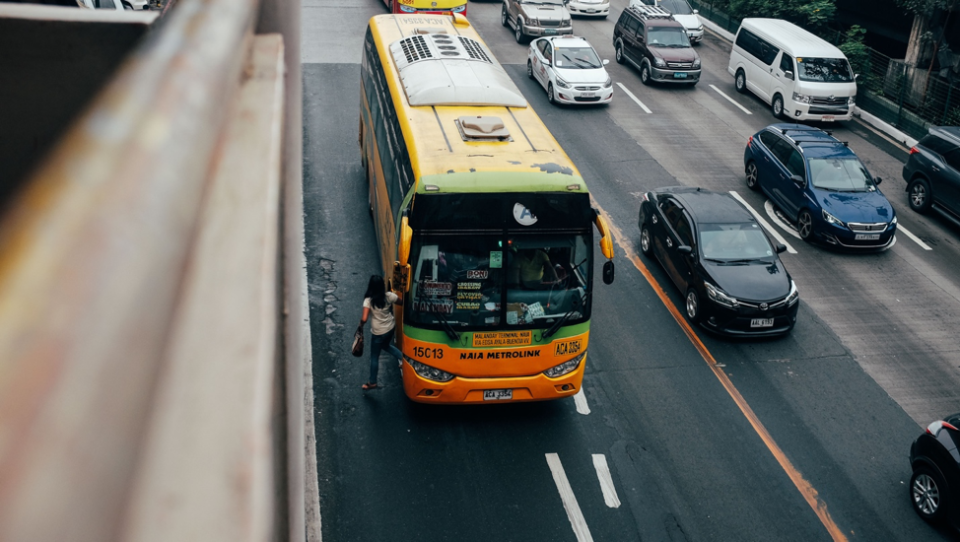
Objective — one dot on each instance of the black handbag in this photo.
(357, 349)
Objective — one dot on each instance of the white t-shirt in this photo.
(382, 320)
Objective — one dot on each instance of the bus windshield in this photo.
(488, 281)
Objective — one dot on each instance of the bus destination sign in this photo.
(503, 338)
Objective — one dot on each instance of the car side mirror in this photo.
(788, 74)
(684, 249)
(608, 272)
(606, 61)
(799, 180)
(696, 11)
(877, 180)
(855, 76)
(781, 248)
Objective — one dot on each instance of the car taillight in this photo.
(750, 141)
(950, 426)
(913, 150)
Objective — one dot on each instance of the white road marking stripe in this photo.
(772, 213)
(634, 98)
(581, 400)
(574, 514)
(731, 100)
(764, 223)
(915, 239)
(606, 481)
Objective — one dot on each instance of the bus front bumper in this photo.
(462, 390)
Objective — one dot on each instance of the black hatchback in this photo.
(714, 250)
(935, 484)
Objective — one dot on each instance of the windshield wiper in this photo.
(559, 323)
(452, 333)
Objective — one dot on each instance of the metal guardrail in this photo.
(152, 306)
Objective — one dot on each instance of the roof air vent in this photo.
(482, 129)
(474, 49)
(415, 48)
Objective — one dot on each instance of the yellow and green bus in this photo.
(485, 226)
(427, 7)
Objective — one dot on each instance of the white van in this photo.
(801, 76)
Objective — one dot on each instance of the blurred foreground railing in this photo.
(152, 312)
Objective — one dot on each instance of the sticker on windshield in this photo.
(468, 285)
(523, 216)
(428, 288)
(496, 259)
(477, 274)
(559, 63)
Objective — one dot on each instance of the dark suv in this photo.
(933, 172)
(656, 44)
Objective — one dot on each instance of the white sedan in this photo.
(570, 70)
(589, 8)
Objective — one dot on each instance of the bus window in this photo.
(547, 277)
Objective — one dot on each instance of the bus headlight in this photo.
(430, 373)
(565, 367)
(459, 9)
(720, 297)
(408, 9)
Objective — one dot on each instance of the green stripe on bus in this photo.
(466, 337)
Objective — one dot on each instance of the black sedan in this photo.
(721, 259)
(935, 484)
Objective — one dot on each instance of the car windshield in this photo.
(576, 58)
(841, 175)
(824, 70)
(668, 36)
(677, 7)
(470, 282)
(734, 242)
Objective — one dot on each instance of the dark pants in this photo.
(378, 343)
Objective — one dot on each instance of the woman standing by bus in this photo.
(378, 304)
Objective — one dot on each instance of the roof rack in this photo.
(650, 12)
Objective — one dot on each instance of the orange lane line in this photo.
(806, 489)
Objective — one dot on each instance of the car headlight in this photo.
(696, 63)
(562, 84)
(428, 372)
(802, 98)
(794, 294)
(566, 22)
(700, 28)
(459, 9)
(659, 61)
(851, 100)
(565, 367)
(832, 219)
(532, 22)
(720, 297)
(608, 83)
(894, 221)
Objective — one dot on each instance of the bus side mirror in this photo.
(606, 240)
(406, 237)
(608, 272)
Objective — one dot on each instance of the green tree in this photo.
(814, 15)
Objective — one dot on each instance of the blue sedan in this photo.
(821, 185)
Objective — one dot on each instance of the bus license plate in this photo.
(549, 31)
(828, 118)
(761, 322)
(497, 395)
(867, 236)
(679, 75)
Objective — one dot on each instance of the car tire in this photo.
(740, 82)
(504, 18)
(518, 33)
(919, 195)
(692, 306)
(645, 73)
(618, 52)
(550, 97)
(646, 241)
(777, 106)
(752, 175)
(928, 494)
(805, 225)
(529, 69)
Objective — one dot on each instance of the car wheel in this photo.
(753, 176)
(550, 97)
(777, 106)
(645, 73)
(529, 70)
(518, 34)
(928, 494)
(504, 20)
(920, 197)
(740, 81)
(693, 306)
(805, 225)
(618, 53)
(646, 241)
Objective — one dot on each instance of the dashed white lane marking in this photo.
(581, 400)
(772, 213)
(606, 481)
(574, 514)
(913, 237)
(731, 100)
(634, 98)
(764, 223)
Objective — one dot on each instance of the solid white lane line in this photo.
(574, 514)
(606, 481)
(772, 213)
(764, 223)
(913, 237)
(731, 100)
(634, 98)
(581, 400)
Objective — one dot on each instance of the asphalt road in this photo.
(695, 451)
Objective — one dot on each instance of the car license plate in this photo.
(679, 75)
(591, 11)
(828, 118)
(588, 94)
(867, 236)
(497, 395)
(549, 31)
(761, 322)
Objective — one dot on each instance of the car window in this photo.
(684, 230)
(631, 25)
(769, 139)
(768, 53)
(786, 63)
(795, 164)
(840, 175)
(577, 58)
(548, 52)
(953, 158)
(541, 44)
(750, 43)
(936, 145)
(676, 219)
(781, 149)
(676, 7)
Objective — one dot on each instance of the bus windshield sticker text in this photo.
(443, 306)
(477, 274)
(496, 259)
(428, 288)
(496, 354)
(468, 306)
(469, 295)
(469, 285)
(507, 338)
(568, 348)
